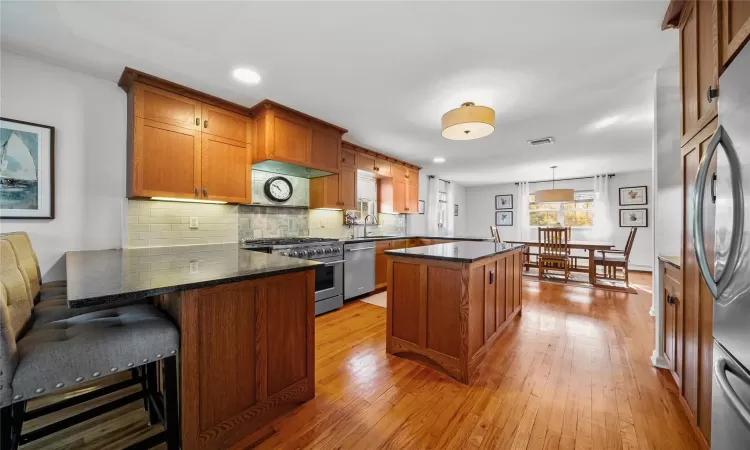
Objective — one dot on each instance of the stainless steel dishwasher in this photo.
(359, 269)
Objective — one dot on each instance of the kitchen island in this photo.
(246, 320)
(449, 302)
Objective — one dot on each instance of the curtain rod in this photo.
(433, 176)
(609, 175)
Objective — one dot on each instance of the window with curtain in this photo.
(578, 213)
(442, 209)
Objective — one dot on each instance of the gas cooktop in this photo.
(271, 242)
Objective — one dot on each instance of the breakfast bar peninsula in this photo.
(450, 302)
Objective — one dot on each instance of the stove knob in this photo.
(336, 250)
(328, 250)
(318, 251)
(303, 253)
(293, 254)
(282, 253)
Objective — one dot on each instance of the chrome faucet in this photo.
(375, 222)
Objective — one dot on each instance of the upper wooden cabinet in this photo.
(382, 167)
(226, 124)
(184, 144)
(162, 106)
(335, 191)
(412, 197)
(398, 172)
(348, 157)
(397, 196)
(365, 162)
(734, 17)
(699, 67)
(292, 137)
(412, 175)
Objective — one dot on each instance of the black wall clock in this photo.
(278, 189)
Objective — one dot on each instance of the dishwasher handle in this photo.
(359, 249)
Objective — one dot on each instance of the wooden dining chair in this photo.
(495, 234)
(611, 260)
(554, 252)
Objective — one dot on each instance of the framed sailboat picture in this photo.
(27, 183)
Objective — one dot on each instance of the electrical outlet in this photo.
(193, 266)
(193, 223)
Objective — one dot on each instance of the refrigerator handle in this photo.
(718, 286)
(720, 372)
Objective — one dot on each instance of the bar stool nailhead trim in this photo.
(17, 397)
(96, 374)
(39, 390)
(158, 355)
(114, 369)
(79, 379)
(171, 353)
(130, 364)
(59, 385)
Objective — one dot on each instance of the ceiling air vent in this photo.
(541, 141)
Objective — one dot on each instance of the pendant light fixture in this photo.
(554, 195)
(468, 122)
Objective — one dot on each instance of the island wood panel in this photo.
(225, 124)
(443, 310)
(457, 309)
(476, 309)
(165, 160)
(500, 292)
(225, 170)
(247, 355)
(517, 282)
(381, 263)
(490, 298)
(406, 304)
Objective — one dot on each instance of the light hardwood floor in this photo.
(572, 372)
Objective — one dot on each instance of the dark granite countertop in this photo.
(465, 252)
(108, 276)
(394, 238)
(673, 261)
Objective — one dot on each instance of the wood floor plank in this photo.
(571, 372)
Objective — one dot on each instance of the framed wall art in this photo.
(504, 218)
(504, 201)
(27, 182)
(634, 217)
(632, 196)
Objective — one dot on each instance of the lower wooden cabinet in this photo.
(673, 320)
(734, 16)
(697, 303)
(381, 263)
(247, 355)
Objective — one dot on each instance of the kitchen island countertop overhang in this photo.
(462, 251)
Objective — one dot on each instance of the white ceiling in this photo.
(387, 71)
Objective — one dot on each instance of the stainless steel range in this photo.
(329, 277)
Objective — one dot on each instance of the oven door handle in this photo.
(333, 263)
(359, 249)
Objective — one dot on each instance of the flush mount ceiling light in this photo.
(438, 160)
(468, 122)
(554, 195)
(246, 75)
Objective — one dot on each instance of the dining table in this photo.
(590, 246)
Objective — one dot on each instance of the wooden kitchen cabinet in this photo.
(226, 170)
(325, 152)
(412, 198)
(412, 175)
(365, 162)
(348, 157)
(398, 172)
(381, 263)
(734, 16)
(697, 302)
(382, 167)
(699, 66)
(159, 105)
(335, 191)
(292, 137)
(673, 321)
(163, 160)
(181, 147)
(224, 124)
(397, 196)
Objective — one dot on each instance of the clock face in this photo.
(278, 189)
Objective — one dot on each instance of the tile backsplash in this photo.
(256, 222)
(158, 224)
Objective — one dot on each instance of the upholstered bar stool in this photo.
(30, 262)
(45, 358)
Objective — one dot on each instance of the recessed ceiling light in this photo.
(246, 75)
(438, 160)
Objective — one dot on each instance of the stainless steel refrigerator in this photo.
(730, 284)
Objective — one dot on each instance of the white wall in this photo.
(481, 212)
(416, 224)
(89, 116)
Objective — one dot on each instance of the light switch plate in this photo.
(193, 266)
(193, 223)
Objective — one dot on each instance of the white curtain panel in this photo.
(524, 228)
(432, 206)
(602, 229)
(451, 219)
